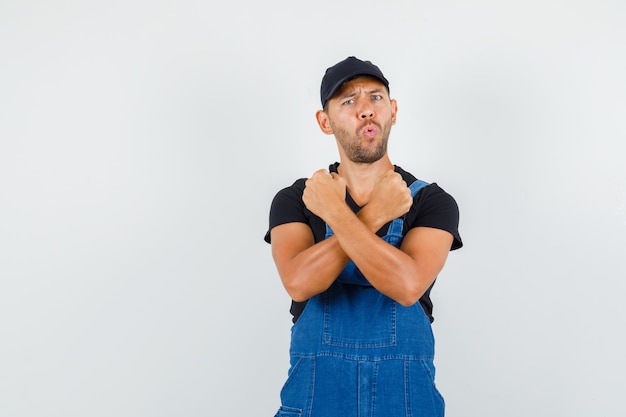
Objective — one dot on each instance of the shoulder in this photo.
(435, 196)
(294, 190)
(288, 199)
(431, 192)
(287, 207)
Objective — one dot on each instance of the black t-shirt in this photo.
(432, 207)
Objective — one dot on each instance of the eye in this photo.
(377, 97)
(349, 101)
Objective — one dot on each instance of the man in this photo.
(358, 248)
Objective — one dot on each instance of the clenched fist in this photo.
(324, 192)
(391, 197)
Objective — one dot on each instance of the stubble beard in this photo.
(356, 152)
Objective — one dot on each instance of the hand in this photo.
(324, 192)
(390, 198)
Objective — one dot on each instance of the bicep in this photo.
(429, 248)
(289, 240)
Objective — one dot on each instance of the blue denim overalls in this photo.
(357, 353)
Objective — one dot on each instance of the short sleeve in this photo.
(437, 209)
(287, 207)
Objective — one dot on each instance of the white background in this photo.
(141, 143)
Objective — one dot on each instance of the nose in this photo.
(366, 111)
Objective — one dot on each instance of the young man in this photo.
(358, 248)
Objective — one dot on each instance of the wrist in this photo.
(337, 213)
(371, 219)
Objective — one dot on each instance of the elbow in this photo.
(297, 296)
(408, 301)
(296, 292)
(293, 292)
(414, 287)
(411, 295)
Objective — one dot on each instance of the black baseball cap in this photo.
(346, 70)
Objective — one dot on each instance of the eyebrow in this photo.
(353, 93)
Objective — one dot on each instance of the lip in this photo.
(370, 131)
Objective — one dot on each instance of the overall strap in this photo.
(396, 226)
(416, 186)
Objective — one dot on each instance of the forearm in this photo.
(390, 270)
(313, 269)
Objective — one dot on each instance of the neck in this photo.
(360, 177)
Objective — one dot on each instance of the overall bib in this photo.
(357, 353)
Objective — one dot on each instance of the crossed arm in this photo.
(307, 268)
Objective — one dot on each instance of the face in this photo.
(360, 115)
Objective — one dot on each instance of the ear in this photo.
(323, 122)
(394, 111)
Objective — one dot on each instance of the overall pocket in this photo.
(297, 392)
(424, 398)
(358, 317)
